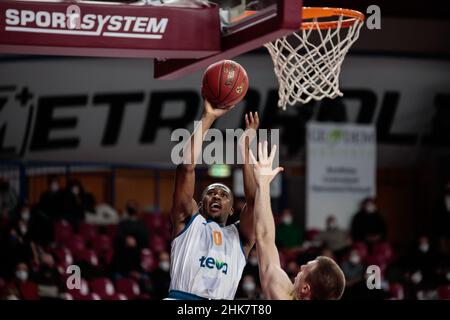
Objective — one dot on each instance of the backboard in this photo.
(245, 26)
(182, 36)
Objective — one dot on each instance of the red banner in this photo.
(112, 30)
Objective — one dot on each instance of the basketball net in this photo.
(308, 62)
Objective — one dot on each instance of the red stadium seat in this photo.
(396, 291)
(76, 243)
(88, 231)
(384, 249)
(87, 255)
(104, 288)
(155, 222)
(103, 246)
(102, 243)
(157, 244)
(82, 293)
(29, 291)
(312, 234)
(63, 256)
(128, 287)
(362, 250)
(444, 292)
(63, 231)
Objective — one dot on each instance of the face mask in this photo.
(253, 261)
(424, 247)
(22, 275)
(54, 186)
(355, 259)
(76, 190)
(164, 265)
(416, 277)
(23, 229)
(371, 208)
(248, 286)
(287, 220)
(25, 214)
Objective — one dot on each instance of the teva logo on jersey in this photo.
(210, 263)
(73, 22)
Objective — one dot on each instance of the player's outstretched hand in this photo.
(263, 168)
(251, 128)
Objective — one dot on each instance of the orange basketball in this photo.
(224, 83)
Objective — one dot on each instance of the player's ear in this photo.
(306, 292)
(231, 211)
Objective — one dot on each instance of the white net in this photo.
(308, 62)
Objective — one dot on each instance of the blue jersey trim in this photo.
(181, 295)
(187, 224)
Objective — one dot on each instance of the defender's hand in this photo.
(263, 168)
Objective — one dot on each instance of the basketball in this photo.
(224, 83)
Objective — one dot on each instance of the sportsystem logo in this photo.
(210, 263)
(73, 22)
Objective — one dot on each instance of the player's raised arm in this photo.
(247, 227)
(274, 281)
(183, 203)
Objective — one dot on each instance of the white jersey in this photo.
(207, 261)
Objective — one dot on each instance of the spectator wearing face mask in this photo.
(127, 258)
(17, 287)
(248, 290)
(288, 233)
(423, 264)
(161, 276)
(16, 246)
(368, 224)
(333, 238)
(353, 269)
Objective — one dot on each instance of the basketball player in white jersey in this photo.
(208, 257)
(319, 279)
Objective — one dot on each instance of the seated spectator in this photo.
(132, 226)
(288, 233)
(423, 262)
(127, 257)
(14, 288)
(368, 224)
(333, 237)
(161, 277)
(48, 278)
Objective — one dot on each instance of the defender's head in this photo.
(217, 203)
(319, 279)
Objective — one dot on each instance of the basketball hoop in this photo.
(308, 62)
